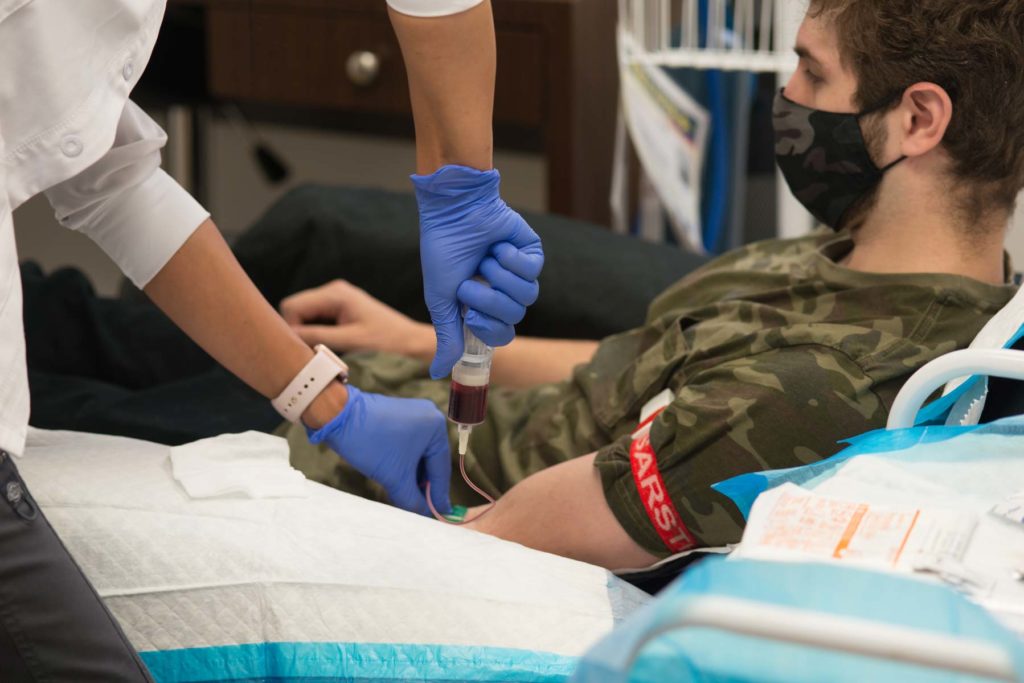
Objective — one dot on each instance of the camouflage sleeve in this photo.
(781, 408)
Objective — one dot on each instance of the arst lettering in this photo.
(655, 494)
(660, 510)
(644, 456)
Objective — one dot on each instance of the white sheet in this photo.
(183, 573)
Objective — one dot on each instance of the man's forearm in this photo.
(530, 361)
(526, 362)
(451, 64)
(562, 510)
(206, 293)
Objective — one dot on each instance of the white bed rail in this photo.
(1003, 363)
(837, 633)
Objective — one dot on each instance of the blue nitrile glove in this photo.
(463, 221)
(390, 440)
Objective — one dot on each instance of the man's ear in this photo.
(925, 113)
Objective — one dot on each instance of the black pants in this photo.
(54, 628)
(118, 367)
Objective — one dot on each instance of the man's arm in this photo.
(451, 65)
(363, 323)
(529, 361)
(771, 410)
(562, 510)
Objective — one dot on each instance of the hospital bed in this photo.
(330, 585)
(317, 585)
(828, 618)
(772, 622)
(747, 620)
(982, 383)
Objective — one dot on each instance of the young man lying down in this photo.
(902, 129)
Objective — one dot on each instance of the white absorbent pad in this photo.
(326, 587)
(251, 464)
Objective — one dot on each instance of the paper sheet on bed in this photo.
(198, 575)
(793, 524)
(980, 554)
(972, 471)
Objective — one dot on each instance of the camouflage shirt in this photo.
(774, 353)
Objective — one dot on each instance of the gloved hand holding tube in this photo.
(466, 230)
(467, 407)
(394, 441)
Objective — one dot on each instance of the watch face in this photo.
(342, 365)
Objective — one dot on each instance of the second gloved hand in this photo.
(463, 223)
(393, 441)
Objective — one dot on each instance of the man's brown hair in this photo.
(974, 49)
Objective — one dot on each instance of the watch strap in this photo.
(318, 373)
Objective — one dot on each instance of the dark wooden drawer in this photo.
(556, 83)
(288, 53)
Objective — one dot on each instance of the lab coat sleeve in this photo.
(432, 8)
(127, 204)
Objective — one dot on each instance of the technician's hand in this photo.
(467, 230)
(391, 440)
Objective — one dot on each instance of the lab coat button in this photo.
(13, 492)
(128, 71)
(71, 146)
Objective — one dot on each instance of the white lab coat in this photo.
(67, 128)
(432, 8)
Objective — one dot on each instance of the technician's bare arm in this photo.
(164, 241)
(206, 293)
(449, 52)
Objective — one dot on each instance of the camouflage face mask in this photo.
(824, 158)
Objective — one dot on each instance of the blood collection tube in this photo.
(467, 407)
(467, 402)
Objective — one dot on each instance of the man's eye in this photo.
(813, 77)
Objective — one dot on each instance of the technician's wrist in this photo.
(432, 158)
(327, 406)
(454, 183)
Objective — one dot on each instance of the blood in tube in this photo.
(467, 405)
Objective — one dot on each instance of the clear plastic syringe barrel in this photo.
(467, 402)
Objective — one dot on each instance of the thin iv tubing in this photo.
(475, 364)
(442, 518)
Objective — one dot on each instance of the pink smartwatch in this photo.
(319, 372)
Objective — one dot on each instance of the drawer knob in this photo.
(363, 67)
